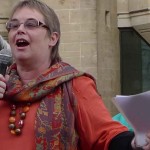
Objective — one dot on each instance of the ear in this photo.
(53, 39)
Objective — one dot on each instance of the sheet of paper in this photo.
(136, 109)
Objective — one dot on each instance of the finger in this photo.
(2, 91)
(1, 95)
(2, 78)
(2, 85)
(133, 143)
(147, 147)
(148, 135)
(6, 77)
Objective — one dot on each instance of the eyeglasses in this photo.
(28, 24)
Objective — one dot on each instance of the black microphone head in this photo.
(5, 60)
(4, 44)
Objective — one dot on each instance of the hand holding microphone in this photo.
(5, 61)
(2, 85)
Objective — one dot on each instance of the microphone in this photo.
(5, 60)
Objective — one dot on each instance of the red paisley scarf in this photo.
(55, 119)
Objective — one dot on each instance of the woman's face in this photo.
(32, 45)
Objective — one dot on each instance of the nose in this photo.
(21, 28)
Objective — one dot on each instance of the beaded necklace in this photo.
(16, 128)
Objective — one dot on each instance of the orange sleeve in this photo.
(94, 123)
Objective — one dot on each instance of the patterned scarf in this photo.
(55, 118)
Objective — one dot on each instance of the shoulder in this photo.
(84, 82)
(85, 90)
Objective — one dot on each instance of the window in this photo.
(135, 62)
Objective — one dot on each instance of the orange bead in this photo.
(12, 119)
(12, 132)
(17, 130)
(26, 109)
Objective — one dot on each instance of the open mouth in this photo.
(22, 43)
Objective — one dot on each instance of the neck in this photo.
(29, 73)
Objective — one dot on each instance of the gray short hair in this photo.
(50, 18)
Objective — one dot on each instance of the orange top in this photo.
(94, 123)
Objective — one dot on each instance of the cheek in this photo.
(10, 38)
(40, 35)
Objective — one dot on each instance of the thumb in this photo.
(7, 77)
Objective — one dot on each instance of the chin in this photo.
(21, 58)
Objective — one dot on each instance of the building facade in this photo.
(90, 36)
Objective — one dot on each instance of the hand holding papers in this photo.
(136, 109)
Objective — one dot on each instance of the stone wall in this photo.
(108, 52)
(78, 26)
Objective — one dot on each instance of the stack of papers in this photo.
(136, 110)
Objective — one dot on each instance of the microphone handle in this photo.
(3, 68)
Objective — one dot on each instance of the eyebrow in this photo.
(15, 19)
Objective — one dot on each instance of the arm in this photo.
(95, 126)
(122, 141)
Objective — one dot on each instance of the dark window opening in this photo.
(135, 62)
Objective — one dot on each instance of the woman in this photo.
(44, 104)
